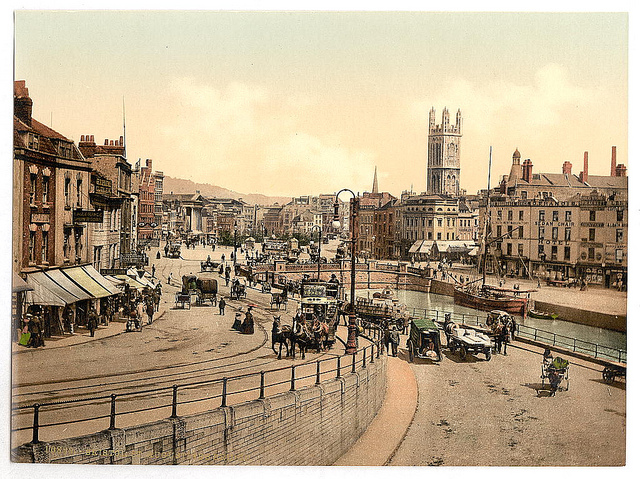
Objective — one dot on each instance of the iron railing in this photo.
(548, 337)
(315, 371)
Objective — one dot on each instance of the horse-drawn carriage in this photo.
(612, 371)
(208, 265)
(467, 341)
(172, 250)
(238, 290)
(279, 299)
(207, 289)
(424, 340)
(555, 371)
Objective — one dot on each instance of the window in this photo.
(498, 231)
(510, 215)
(554, 215)
(32, 189)
(430, 235)
(567, 253)
(32, 246)
(509, 249)
(541, 215)
(567, 215)
(554, 233)
(554, 252)
(439, 236)
(439, 222)
(45, 246)
(520, 231)
(499, 214)
(45, 189)
(79, 192)
(520, 249)
(592, 215)
(520, 215)
(592, 234)
(619, 254)
(523, 195)
(567, 234)
(67, 191)
(619, 235)
(540, 250)
(540, 232)
(592, 253)
(66, 243)
(620, 215)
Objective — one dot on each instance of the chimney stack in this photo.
(566, 168)
(621, 170)
(613, 161)
(527, 170)
(22, 103)
(584, 175)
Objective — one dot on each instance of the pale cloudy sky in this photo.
(306, 103)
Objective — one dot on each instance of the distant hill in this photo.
(178, 186)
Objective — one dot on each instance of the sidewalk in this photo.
(378, 444)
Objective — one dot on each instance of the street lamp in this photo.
(319, 246)
(351, 338)
(235, 243)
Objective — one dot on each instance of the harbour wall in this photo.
(581, 316)
(311, 426)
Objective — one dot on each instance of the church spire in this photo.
(374, 189)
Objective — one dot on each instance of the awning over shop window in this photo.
(68, 284)
(133, 283)
(45, 296)
(18, 284)
(101, 280)
(87, 282)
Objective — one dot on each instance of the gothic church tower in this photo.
(443, 157)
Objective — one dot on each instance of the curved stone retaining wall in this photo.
(312, 426)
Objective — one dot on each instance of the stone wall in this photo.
(312, 426)
(581, 316)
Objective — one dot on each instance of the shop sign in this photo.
(87, 216)
(39, 217)
(103, 186)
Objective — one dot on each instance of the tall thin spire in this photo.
(374, 188)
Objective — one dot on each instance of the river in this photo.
(444, 304)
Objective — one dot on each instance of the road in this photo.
(482, 413)
(182, 346)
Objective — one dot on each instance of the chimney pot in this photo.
(566, 168)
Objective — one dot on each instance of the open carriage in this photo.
(467, 341)
(206, 289)
(424, 340)
(208, 265)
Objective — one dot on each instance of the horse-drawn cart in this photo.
(184, 299)
(424, 340)
(612, 371)
(467, 341)
(207, 288)
(278, 299)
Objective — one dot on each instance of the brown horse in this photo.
(280, 334)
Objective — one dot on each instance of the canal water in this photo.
(444, 304)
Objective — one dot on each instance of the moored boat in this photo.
(487, 299)
(542, 315)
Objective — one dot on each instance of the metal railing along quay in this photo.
(247, 387)
(595, 350)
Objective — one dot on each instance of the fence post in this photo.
(596, 351)
(353, 362)
(436, 315)
(224, 393)
(36, 426)
(293, 378)
(318, 372)
(261, 385)
(574, 345)
(378, 353)
(112, 416)
(338, 368)
(554, 339)
(364, 358)
(619, 355)
(535, 334)
(372, 352)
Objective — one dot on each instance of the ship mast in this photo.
(486, 224)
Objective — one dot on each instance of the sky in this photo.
(293, 103)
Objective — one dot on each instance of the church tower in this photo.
(443, 154)
(374, 189)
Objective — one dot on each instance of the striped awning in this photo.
(46, 296)
(69, 285)
(133, 283)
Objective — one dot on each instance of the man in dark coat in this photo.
(92, 322)
(221, 304)
(247, 324)
(394, 339)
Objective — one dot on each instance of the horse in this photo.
(320, 332)
(280, 334)
(301, 336)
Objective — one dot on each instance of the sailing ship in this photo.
(485, 297)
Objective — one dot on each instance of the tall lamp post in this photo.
(235, 244)
(319, 246)
(351, 338)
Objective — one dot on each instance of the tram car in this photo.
(320, 299)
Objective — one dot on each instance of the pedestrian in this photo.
(153, 270)
(394, 338)
(140, 311)
(221, 305)
(506, 337)
(92, 322)
(169, 277)
(498, 338)
(223, 257)
(386, 337)
(150, 310)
